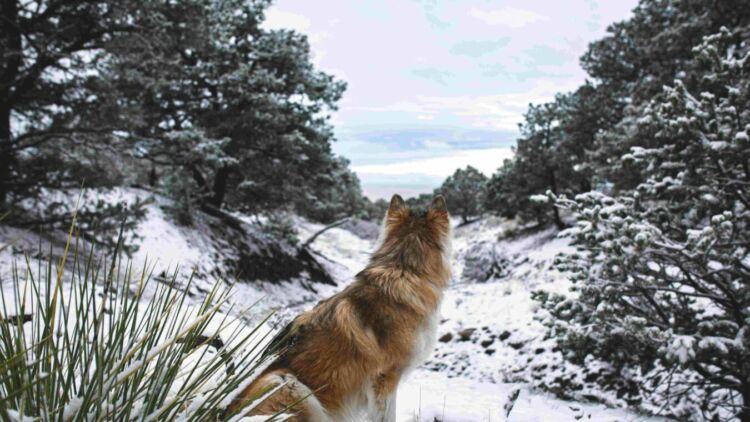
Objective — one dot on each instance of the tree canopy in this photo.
(194, 98)
(464, 190)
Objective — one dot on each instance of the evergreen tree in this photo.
(421, 201)
(510, 190)
(375, 210)
(334, 195)
(237, 108)
(640, 56)
(465, 191)
(659, 311)
(58, 115)
(662, 270)
(545, 159)
(194, 96)
(50, 100)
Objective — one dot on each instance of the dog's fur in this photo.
(343, 359)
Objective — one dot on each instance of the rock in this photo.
(487, 343)
(446, 338)
(517, 345)
(465, 334)
(504, 335)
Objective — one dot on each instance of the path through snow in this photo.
(459, 382)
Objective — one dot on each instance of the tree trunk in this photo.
(585, 185)
(220, 187)
(6, 153)
(744, 414)
(555, 210)
(198, 176)
(10, 37)
(153, 178)
(558, 220)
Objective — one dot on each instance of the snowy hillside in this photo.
(489, 339)
(226, 247)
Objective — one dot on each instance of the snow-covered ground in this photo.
(491, 328)
(489, 339)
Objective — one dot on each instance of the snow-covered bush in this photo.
(92, 338)
(662, 271)
(102, 215)
(483, 262)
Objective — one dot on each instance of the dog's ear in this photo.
(397, 202)
(438, 204)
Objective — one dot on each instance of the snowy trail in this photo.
(438, 391)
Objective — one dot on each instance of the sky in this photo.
(436, 85)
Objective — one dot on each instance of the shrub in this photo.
(89, 337)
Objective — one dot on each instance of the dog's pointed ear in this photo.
(438, 204)
(397, 202)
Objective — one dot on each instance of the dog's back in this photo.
(346, 355)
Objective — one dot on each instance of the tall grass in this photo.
(88, 337)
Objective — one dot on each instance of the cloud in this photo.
(413, 177)
(415, 160)
(478, 48)
(382, 187)
(431, 12)
(498, 112)
(537, 62)
(433, 74)
(385, 145)
(507, 16)
(425, 73)
(485, 160)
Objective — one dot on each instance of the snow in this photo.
(460, 381)
(72, 407)
(495, 338)
(430, 396)
(16, 417)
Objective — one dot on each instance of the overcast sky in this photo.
(434, 85)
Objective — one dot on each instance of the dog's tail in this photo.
(278, 393)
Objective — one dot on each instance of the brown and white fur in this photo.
(342, 360)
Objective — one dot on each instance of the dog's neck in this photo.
(410, 274)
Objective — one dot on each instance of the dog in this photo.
(343, 359)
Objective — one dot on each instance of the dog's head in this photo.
(431, 223)
(417, 236)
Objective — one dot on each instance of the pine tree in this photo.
(510, 190)
(662, 270)
(465, 190)
(194, 97)
(237, 108)
(548, 157)
(48, 99)
(640, 56)
(335, 194)
(58, 115)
